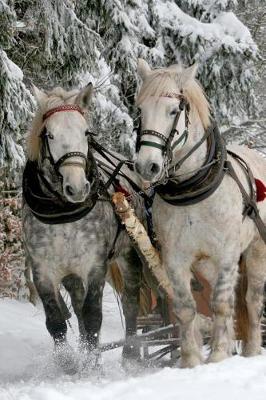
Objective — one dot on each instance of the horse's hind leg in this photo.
(74, 285)
(256, 276)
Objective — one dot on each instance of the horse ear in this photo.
(83, 99)
(188, 74)
(143, 68)
(39, 95)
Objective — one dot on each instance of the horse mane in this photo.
(55, 97)
(160, 81)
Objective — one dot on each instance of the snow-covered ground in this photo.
(27, 371)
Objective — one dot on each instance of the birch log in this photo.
(144, 247)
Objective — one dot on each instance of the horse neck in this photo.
(197, 158)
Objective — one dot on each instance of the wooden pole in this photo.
(148, 254)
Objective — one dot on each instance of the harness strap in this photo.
(191, 151)
(114, 174)
(152, 144)
(251, 208)
(120, 227)
(184, 137)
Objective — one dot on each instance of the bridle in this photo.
(87, 161)
(46, 151)
(167, 147)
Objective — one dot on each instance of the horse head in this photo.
(58, 141)
(174, 113)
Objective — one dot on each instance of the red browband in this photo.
(64, 107)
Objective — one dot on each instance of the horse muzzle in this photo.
(76, 188)
(148, 171)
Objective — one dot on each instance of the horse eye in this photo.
(173, 112)
(50, 135)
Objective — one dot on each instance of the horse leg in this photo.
(185, 311)
(74, 286)
(131, 269)
(55, 322)
(256, 276)
(92, 309)
(223, 309)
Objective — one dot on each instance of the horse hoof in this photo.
(190, 361)
(91, 360)
(217, 356)
(65, 358)
(131, 353)
(251, 352)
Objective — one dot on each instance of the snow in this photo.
(27, 371)
(226, 29)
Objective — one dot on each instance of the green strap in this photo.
(152, 144)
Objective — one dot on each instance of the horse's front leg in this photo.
(131, 268)
(74, 285)
(55, 321)
(92, 308)
(184, 308)
(223, 309)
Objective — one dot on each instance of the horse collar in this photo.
(47, 205)
(205, 181)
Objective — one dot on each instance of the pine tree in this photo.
(208, 33)
(15, 100)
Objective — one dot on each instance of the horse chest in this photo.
(58, 250)
(189, 228)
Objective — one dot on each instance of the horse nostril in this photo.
(69, 190)
(137, 167)
(154, 168)
(87, 188)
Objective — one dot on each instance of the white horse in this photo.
(211, 235)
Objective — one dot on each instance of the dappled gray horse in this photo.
(198, 207)
(70, 232)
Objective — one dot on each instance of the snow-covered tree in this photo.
(14, 97)
(207, 32)
(67, 42)
(168, 31)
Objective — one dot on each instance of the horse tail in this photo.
(242, 321)
(116, 278)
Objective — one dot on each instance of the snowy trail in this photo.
(28, 373)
